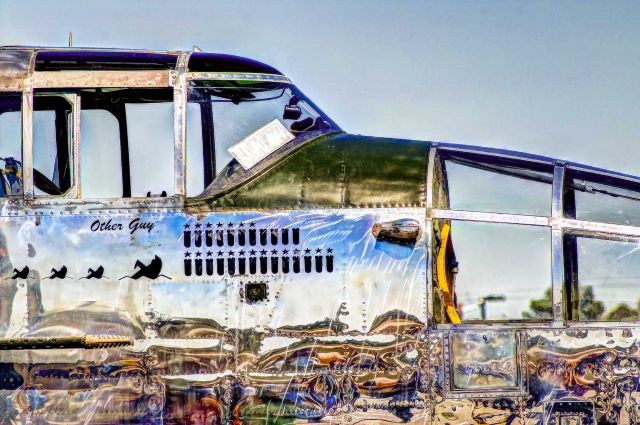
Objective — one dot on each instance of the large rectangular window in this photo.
(126, 143)
(602, 279)
(491, 272)
(476, 184)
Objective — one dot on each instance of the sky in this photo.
(558, 78)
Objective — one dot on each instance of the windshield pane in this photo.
(222, 114)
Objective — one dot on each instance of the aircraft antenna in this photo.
(70, 38)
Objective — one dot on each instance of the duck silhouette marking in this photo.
(95, 274)
(58, 274)
(21, 274)
(151, 271)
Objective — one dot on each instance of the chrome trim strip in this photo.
(557, 276)
(429, 231)
(490, 217)
(225, 76)
(27, 141)
(180, 124)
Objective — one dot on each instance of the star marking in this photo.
(241, 224)
(209, 253)
(252, 252)
(241, 252)
(230, 224)
(318, 250)
(219, 225)
(329, 250)
(187, 255)
(307, 251)
(274, 252)
(263, 252)
(220, 253)
(209, 225)
(252, 224)
(296, 251)
(230, 253)
(285, 251)
(186, 225)
(198, 254)
(198, 225)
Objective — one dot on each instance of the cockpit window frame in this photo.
(559, 223)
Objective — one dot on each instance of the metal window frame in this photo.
(558, 224)
(91, 79)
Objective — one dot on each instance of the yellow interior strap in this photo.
(443, 282)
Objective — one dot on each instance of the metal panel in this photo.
(79, 79)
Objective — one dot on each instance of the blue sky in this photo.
(560, 78)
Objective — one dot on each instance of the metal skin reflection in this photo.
(319, 286)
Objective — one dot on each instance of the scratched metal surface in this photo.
(338, 337)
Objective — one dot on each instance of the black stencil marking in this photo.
(209, 266)
(307, 264)
(252, 237)
(296, 264)
(58, 274)
(198, 262)
(241, 237)
(208, 238)
(220, 237)
(296, 235)
(187, 266)
(153, 270)
(263, 237)
(230, 237)
(285, 236)
(274, 236)
(95, 274)
(21, 274)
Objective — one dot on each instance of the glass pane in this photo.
(608, 275)
(100, 160)
(239, 109)
(150, 130)
(476, 189)
(10, 144)
(603, 203)
(499, 270)
(195, 156)
(52, 132)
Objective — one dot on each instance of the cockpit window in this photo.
(120, 131)
(602, 279)
(52, 144)
(600, 199)
(477, 185)
(10, 146)
(222, 114)
(490, 271)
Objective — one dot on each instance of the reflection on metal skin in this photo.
(403, 232)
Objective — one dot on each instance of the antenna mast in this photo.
(70, 38)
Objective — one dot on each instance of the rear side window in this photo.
(602, 279)
(10, 144)
(479, 185)
(597, 198)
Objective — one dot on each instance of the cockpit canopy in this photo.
(95, 118)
